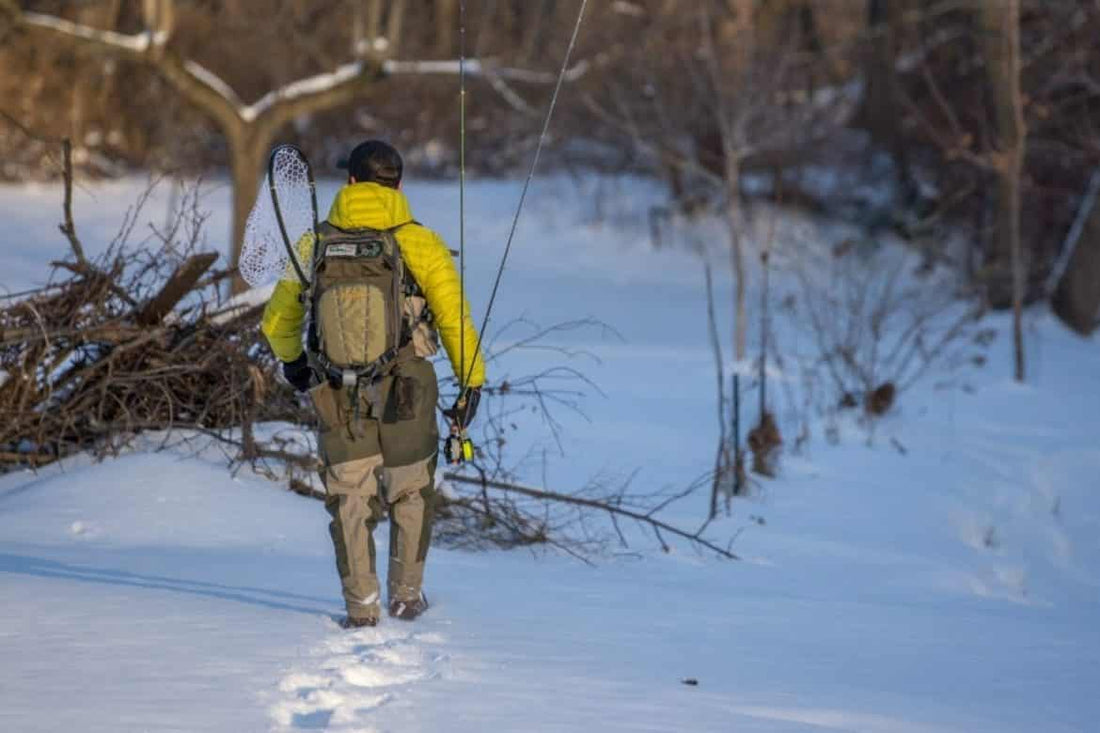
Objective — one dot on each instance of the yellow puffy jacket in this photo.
(361, 205)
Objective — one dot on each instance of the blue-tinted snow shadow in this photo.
(36, 480)
(43, 568)
(17, 491)
(318, 720)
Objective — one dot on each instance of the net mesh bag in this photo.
(264, 257)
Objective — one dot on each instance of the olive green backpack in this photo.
(357, 299)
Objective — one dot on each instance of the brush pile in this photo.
(130, 342)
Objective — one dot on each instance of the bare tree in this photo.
(993, 68)
(881, 111)
(249, 130)
(722, 460)
(1000, 25)
(723, 91)
(446, 15)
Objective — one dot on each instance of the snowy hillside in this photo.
(944, 577)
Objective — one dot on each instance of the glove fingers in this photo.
(463, 414)
(472, 401)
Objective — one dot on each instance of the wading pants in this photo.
(378, 450)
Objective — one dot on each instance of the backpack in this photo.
(357, 329)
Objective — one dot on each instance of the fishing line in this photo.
(527, 183)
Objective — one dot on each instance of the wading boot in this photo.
(358, 622)
(408, 610)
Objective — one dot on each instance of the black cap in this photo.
(374, 161)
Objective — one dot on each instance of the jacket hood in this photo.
(368, 204)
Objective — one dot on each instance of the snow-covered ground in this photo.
(952, 587)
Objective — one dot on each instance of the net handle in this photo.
(294, 149)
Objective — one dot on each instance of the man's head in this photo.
(377, 162)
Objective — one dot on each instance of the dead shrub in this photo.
(764, 442)
(880, 400)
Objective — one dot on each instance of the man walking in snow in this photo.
(383, 288)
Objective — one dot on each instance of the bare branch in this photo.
(315, 93)
(656, 524)
(133, 46)
(211, 94)
(68, 228)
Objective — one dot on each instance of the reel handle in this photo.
(458, 448)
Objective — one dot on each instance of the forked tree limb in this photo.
(212, 95)
(250, 129)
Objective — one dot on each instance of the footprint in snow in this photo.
(352, 673)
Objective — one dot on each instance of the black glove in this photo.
(465, 407)
(297, 373)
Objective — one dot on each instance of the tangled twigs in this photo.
(495, 509)
(128, 342)
(611, 505)
(878, 323)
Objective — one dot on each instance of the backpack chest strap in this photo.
(352, 378)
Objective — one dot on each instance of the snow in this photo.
(442, 66)
(311, 85)
(242, 303)
(217, 84)
(137, 43)
(479, 67)
(952, 587)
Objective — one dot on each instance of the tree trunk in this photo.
(446, 17)
(1000, 25)
(534, 15)
(248, 149)
(743, 33)
(737, 254)
(1077, 297)
(721, 464)
(92, 84)
(395, 20)
(1009, 222)
(881, 108)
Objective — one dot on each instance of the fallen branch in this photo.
(181, 283)
(645, 518)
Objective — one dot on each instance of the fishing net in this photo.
(265, 256)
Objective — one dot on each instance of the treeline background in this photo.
(979, 117)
